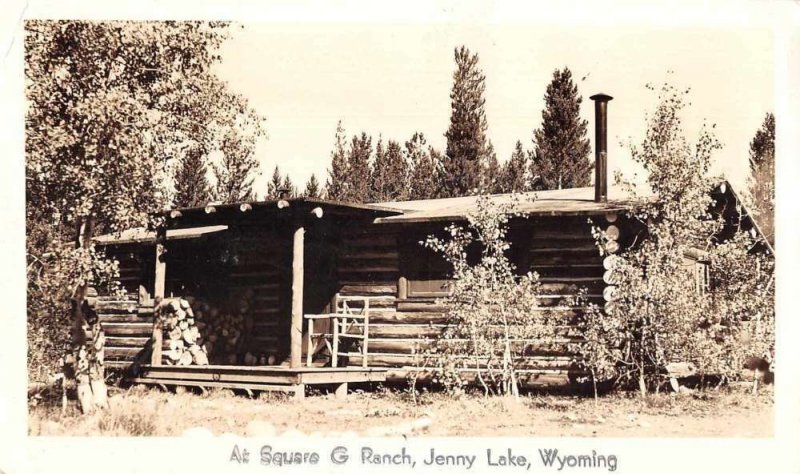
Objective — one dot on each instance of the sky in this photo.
(392, 79)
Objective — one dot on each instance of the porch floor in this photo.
(257, 378)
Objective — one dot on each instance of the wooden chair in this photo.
(349, 312)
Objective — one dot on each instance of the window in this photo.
(698, 263)
(702, 279)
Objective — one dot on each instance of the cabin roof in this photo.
(139, 235)
(557, 202)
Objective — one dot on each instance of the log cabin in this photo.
(339, 292)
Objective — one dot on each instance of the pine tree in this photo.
(561, 148)
(762, 177)
(389, 173)
(274, 184)
(312, 188)
(466, 137)
(513, 174)
(424, 172)
(289, 186)
(336, 187)
(236, 172)
(491, 179)
(191, 184)
(358, 175)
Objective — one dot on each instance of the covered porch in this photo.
(282, 254)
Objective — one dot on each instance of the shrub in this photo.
(492, 312)
(659, 316)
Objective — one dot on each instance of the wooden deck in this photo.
(260, 378)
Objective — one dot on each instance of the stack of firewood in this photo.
(181, 332)
(225, 331)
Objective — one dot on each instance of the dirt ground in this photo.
(146, 412)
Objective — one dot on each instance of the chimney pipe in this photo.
(601, 146)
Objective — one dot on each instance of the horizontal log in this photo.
(570, 271)
(565, 258)
(224, 375)
(411, 305)
(562, 244)
(118, 364)
(368, 289)
(140, 341)
(368, 240)
(408, 317)
(128, 329)
(125, 318)
(260, 387)
(414, 360)
(565, 233)
(389, 253)
(529, 379)
(418, 345)
(123, 351)
(261, 298)
(394, 268)
(256, 273)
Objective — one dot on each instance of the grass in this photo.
(140, 411)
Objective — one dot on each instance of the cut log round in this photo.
(611, 277)
(612, 246)
(612, 232)
(611, 262)
(610, 293)
(185, 359)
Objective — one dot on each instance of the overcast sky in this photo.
(394, 79)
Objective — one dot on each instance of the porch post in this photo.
(158, 291)
(296, 334)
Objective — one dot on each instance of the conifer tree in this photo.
(289, 186)
(358, 174)
(491, 175)
(513, 174)
(191, 184)
(389, 173)
(561, 148)
(762, 177)
(274, 184)
(466, 136)
(236, 172)
(312, 188)
(424, 172)
(336, 188)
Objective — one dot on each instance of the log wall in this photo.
(374, 258)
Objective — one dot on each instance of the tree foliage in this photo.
(238, 168)
(513, 177)
(492, 310)
(389, 173)
(466, 136)
(425, 165)
(491, 172)
(337, 186)
(191, 185)
(561, 148)
(762, 177)
(274, 184)
(358, 171)
(112, 106)
(658, 315)
(312, 188)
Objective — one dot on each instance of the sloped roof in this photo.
(558, 202)
(142, 235)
